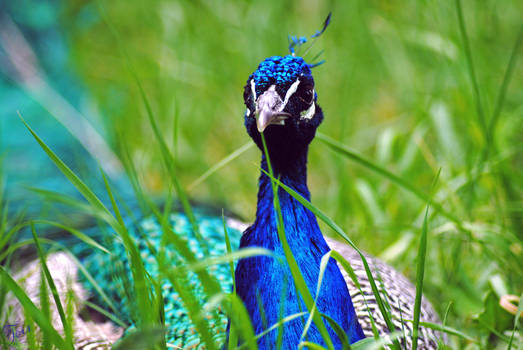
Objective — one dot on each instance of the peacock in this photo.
(282, 116)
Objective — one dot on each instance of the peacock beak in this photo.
(269, 108)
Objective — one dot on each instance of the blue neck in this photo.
(293, 175)
(262, 281)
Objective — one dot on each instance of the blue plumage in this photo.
(281, 71)
(266, 278)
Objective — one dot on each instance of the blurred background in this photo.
(406, 84)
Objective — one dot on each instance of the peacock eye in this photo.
(306, 94)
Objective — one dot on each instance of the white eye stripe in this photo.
(253, 88)
(309, 113)
(292, 89)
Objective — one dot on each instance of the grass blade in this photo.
(472, 72)
(141, 339)
(46, 309)
(519, 312)
(71, 176)
(235, 154)
(323, 265)
(166, 154)
(191, 304)
(80, 235)
(100, 291)
(342, 149)
(6, 237)
(106, 314)
(169, 163)
(448, 330)
(319, 214)
(504, 85)
(345, 341)
(375, 344)
(299, 281)
(179, 277)
(227, 258)
(137, 267)
(422, 251)
(142, 284)
(237, 314)
(29, 307)
(63, 199)
(233, 336)
(310, 345)
(277, 325)
(67, 326)
(111, 197)
(420, 273)
(209, 283)
(346, 266)
(229, 251)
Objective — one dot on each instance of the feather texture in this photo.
(399, 292)
(269, 280)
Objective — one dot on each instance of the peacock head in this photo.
(281, 103)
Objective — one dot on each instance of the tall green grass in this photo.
(407, 89)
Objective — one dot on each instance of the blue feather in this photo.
(325, 25)
(268, 278)
(296, 42)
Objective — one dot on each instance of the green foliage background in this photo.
(397, 87)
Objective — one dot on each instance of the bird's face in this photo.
(281, 102)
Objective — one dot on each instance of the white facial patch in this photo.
(309, 113)
(247, 112)
(253, 88)
(292, 89)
